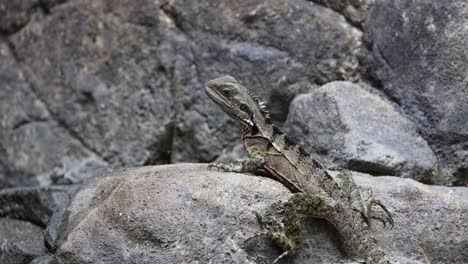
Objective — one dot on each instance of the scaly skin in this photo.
(317, 193)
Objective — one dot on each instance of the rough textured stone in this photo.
(431, 222)
(14, 254)
(20, 241)
(238, 152)
(35, 205)
(116, 112)
(34, 147)
(345, 125)
(355, 11)
(184, 213)
(24, 233)
(121, 84)
(113, 83)
(45, 259)
(418, 55)
(16, 14)
(29, 222)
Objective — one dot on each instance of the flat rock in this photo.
(418, 55)
(345, 125)
(184, 213)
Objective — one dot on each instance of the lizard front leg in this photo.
(249, 164)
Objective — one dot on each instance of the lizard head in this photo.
(235, 100)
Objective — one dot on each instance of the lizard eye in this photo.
(226, 92)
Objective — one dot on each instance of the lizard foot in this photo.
(381, 214)
(365, 205)
(218, 167)
(243, 165)
(284, 235)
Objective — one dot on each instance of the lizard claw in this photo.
(278, 232)
(270, 234)
(383, 215)
(364, 204)
(284, 254)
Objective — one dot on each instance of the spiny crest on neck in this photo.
(261, 105)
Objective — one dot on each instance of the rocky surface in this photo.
(89, 85)
(345, 125)
(29, 222)
(418, 55)
(112, 83)
(20, 241)
(35, 148)
(184, 213)
(16, 14)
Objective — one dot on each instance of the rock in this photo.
(132, 215)
(430, 221)
(20, 241)
(16, 14)
(418, 55)
(184, 213)
(355, 12)
(35, 148)
(114, 83)
(33, 204)
(255, 42)
(45, 259)
(117, 113)
(238, 152)
(29, 222)
(11, 253)
(345, 125)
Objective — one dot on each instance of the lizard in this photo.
(315, 192)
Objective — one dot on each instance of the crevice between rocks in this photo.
(161, 150)
(24, 123)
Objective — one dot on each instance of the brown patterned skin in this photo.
(317, 194)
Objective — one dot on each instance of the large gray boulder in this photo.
(120, 83)
(418, 55)
(346, 125)
(185, 214)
